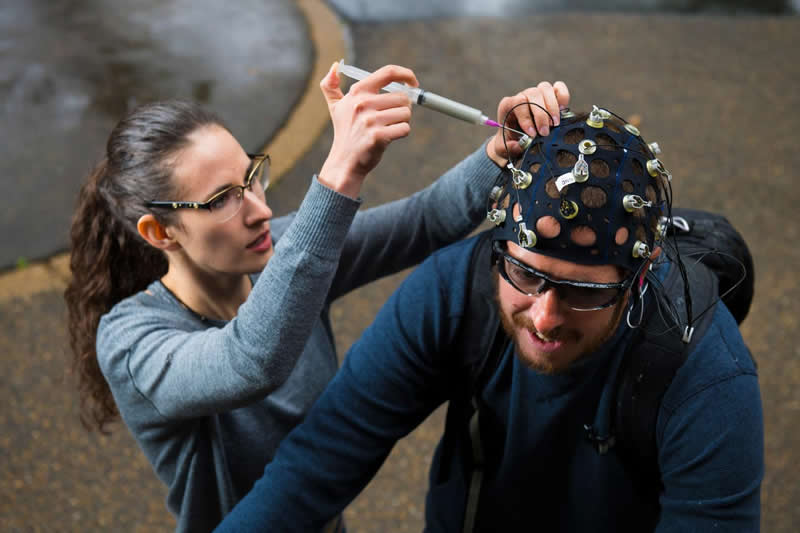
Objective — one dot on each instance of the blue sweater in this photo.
(541, 473)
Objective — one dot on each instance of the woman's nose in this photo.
(256, 209)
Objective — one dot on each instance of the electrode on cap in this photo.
(524, 142)
(587, 147)
(640, 250)
(632, 202)
(654, 167)
(496, 216)
(633, 130)
(597, 116)
(566, 113)
(495, 194)
(527, 238)
(520, 178)
(654, 147)
(568, 209)
(661, 229)
(581, 169)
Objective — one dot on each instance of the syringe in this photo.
(426, 98)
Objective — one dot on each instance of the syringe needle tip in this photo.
(492, 123)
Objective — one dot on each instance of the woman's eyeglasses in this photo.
(577, 295)
(225, 204)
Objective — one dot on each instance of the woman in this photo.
(213, 342)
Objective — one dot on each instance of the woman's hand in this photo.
(365, 121)
(523, 117)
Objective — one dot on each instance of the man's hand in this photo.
(365, 121)
(527, 118)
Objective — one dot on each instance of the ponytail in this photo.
(109, 260)
(108, 264)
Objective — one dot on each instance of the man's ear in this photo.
(156, 234)
(653, 256)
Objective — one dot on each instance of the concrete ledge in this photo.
(305, 123)
(38, 277)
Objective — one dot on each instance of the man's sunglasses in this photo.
(577, 295)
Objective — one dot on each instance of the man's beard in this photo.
(545, 365)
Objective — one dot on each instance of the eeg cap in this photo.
(592, 192)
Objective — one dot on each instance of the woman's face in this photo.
(241, 245)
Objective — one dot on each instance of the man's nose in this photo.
(547, 311)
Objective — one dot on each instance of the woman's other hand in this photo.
(527, 118)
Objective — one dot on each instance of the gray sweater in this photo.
(209, 401)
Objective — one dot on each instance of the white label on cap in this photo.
(564, 180)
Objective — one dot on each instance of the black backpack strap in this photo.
(480, 332)
(655, 354)
(712, 239)
(718, 263)
(481, 342)
(476, 478)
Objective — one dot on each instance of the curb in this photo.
(304, 125)
(310, 116)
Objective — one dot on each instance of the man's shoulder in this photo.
(718, 359)
(444, 277)
(453, 261)
(462, 250)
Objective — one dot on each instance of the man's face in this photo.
(550, 336)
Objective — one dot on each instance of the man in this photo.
(578, 228)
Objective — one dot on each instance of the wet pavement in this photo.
(69, 69)
(719, 95)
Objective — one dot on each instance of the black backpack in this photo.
(717, 264)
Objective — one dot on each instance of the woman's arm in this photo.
(388, 238)
(186, 374)
(400, 234)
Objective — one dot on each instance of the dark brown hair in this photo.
(109, 260)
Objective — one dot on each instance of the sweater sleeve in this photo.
(711, 439)
(185, 373)
(391, 379)
(386, 239)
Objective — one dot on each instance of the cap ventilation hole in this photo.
(552, 190)
(605, 142)
(621, 236)
(593, 197)
(565, 159)
(599, 168)
(574, 136)
(548, 227)
(583, 236)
